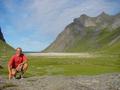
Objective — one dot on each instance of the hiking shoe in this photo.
(18, 75)
(13, 78)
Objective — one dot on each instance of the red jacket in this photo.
(16, 60)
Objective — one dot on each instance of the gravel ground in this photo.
(98, 82)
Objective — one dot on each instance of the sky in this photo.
(34, 24)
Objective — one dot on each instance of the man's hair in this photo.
(19, 48)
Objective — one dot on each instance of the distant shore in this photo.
(61, 54)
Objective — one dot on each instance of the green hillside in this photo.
(89, 34)
(105, 41)
(5, 49)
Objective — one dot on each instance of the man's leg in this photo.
(13, 73)
(21, 70)
(24, 68)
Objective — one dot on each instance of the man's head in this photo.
(19, 51)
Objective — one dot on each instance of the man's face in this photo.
(18, 51)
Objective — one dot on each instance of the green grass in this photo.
(39, 66)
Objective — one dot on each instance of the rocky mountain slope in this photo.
(88, 34)
(1, 36)
(5, 49)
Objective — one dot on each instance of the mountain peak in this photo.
(84, 16)
(1, 35)
(103, 14)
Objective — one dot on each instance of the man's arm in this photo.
(10, 67)
(10, 72)
(25, 60)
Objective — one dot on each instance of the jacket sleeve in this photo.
(10, 63)
(25, 58)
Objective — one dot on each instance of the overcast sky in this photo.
(34, 24)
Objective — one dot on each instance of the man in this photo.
(17, 63)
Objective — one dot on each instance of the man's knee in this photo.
(13, 72)
(25, 66)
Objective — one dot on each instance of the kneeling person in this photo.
(17, 64)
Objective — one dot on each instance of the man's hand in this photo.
(10, 76)
(19, 67)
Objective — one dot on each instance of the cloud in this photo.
(38, 22)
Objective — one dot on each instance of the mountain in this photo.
(89, 34)
(1, 36)
(5, 49)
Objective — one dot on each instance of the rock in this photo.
(98, 82)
